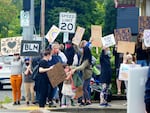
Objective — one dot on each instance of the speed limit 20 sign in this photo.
(67, 22)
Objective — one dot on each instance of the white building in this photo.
(144, 6)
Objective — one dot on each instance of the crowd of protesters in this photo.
(77, 60)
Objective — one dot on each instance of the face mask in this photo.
(27, 64)
(108, 53)
(81, 50)
(68, 46)
(16, 58)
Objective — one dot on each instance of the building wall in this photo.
(144, 6)
(147, 7)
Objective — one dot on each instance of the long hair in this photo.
(87, 54)
(138, 42)
(69, 52)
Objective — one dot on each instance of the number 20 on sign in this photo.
(67, 22)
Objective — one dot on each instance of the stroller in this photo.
(96, 88)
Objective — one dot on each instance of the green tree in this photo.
(110, 17)
(89, 12)
(9, 21)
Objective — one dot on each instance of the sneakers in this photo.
(51, 104)
(23, 98)
(88, 103)
(82, 104)
(33, 102)
(15, 103)
(72, 102)
(18, 102)
(63, 106)
(105, 105)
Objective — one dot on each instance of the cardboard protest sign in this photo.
(11, 45)
(78, 35)
(124, 47)
(146, 37)
(96, 34)
(78, 92)
(56, 75)
(52, 34)
(108, 40)
(144, 23)
(123, 34)
(30, 48)
(124, 70)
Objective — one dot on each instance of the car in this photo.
(5, 70)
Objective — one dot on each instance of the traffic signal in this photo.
(26, 5)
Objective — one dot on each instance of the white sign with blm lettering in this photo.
(30, 48)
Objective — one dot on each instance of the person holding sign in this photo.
(52, 61)
(141, 54)
(43, 78)
(105, 77)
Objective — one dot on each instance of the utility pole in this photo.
(42, 18)
(28, 31)
(42, 34)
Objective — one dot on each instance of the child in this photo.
(67, 88)
(128, 59)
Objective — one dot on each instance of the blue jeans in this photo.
(142, 62)
(51, 92)
(86, 93)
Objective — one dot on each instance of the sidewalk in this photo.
(115, 104)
